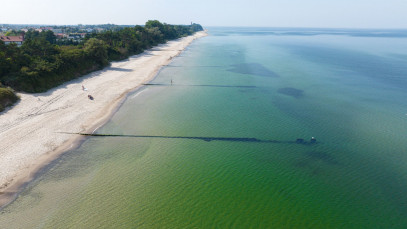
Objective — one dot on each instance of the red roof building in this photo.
(61, 35)
(12, 39)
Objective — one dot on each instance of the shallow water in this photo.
(217, 148)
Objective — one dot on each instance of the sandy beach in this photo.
(30, 132)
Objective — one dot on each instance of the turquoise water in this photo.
(217, 149)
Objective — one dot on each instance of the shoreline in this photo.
(29, 131)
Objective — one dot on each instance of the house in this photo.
(57, 31)
(61, 35)
(99, 30)
(12, 39)
(74, 36)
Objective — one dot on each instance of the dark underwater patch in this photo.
(320, 156)
(314, 156)
(252, 69)
(294, 92)
(384, 70)
(201, 85)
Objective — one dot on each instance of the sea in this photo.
(247, 128)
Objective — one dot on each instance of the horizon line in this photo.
(223, 26)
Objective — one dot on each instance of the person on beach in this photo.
(90, 97)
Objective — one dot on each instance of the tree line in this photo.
(42, 62)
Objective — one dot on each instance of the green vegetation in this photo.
(7, 97)
(12, 33)
(45, 35)
(41, 63)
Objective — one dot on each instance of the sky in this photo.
(389, 14)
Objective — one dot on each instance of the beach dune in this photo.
(31, 132)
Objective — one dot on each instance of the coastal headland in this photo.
(31, 132)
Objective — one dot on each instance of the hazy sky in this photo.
(270, 13)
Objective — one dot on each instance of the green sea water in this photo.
(217, 147)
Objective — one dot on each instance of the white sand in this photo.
(29, 136)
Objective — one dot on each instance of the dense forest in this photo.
(42, 63)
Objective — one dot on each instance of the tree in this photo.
(97, 50)
(155, 35)
(12, 33)
(48, 36)
(154, 23)
(4, 65)
(40, 48)
(196, 27)
(31, 34)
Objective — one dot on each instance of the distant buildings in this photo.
(99, 30)
(65, 33)
(56, 31)
(12, 39)
(61, 35)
